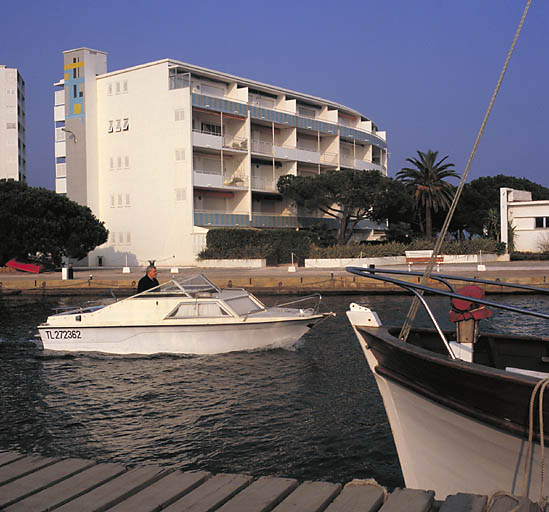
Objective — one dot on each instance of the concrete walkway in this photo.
(268, 280)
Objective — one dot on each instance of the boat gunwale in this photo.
(383, 335)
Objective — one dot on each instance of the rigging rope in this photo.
(415, 303)
(539, 387)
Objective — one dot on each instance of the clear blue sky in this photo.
(423, 70)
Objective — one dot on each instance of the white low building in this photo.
(528, 219)
(164, 151)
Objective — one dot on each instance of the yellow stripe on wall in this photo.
(74, 65)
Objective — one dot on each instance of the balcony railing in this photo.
(210, 218)
(215, 178)
(328, 158)
(239, 143)
(263, 147)
(263, 183)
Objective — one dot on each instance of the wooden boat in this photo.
(184, 316)
(459, 403)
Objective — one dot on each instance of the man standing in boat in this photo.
(149, 280)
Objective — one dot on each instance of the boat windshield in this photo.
(188, 286)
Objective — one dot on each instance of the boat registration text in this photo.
(65, 334)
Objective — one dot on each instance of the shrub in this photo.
(533, 256)
(275, 245)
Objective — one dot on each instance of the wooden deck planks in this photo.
(212, 493)
(358, 496)
(7, 457)
(261, 495)
(34, 483)
(68, 489)
(22, 467)
(114, 491)
(309, 497)
(45, 477)
(412, 500)
(464, 503)
(163, 492)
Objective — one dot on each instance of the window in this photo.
(61, 171)
(125, 86)
(117, 88)
(542, 222)
(128, 203)
(180, 194)
(119, 200)
(180, 154)
(112, 202)
(119, 162)
(212, 129)
(110, 127)
(111, 166)
(126, 162)
(109, 90)
(118, 125)
(125, 124)
(59, 135)
(243, 305)
(180, 114)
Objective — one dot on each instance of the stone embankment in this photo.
(269, 280)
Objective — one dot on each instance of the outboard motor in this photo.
(467, 314)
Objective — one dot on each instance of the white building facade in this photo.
(164, 151)
(13, 149)
(528, 219)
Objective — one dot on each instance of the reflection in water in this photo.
(309, 413)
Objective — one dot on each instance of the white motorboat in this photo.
(183, 316)
(461, 403)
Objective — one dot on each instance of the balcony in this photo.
(208, 218)
(264, 184)
(367, 166)
(327, 158)
(306, 155)
(239, 144)
(215, 179)
(347, 160)
(285, 152)
(207, 139)
(262, 147)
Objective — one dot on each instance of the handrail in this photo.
(302, 299)
(371, 273)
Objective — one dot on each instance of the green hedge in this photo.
(397, 248)
(524, 256)
(275, 245)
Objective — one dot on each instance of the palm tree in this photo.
(426, 181)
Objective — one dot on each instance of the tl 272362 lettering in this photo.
(66, 334)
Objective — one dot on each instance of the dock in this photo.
(268, 280)
(34, 483)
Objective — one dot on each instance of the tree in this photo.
(37, 221)
(482, 195)
(347, 195)
(426, 180)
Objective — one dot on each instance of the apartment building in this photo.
(164, 151)
(13, 150)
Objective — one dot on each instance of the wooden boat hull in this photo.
(457, 426)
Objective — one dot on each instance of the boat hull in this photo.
(178, 339)
(445, 438)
